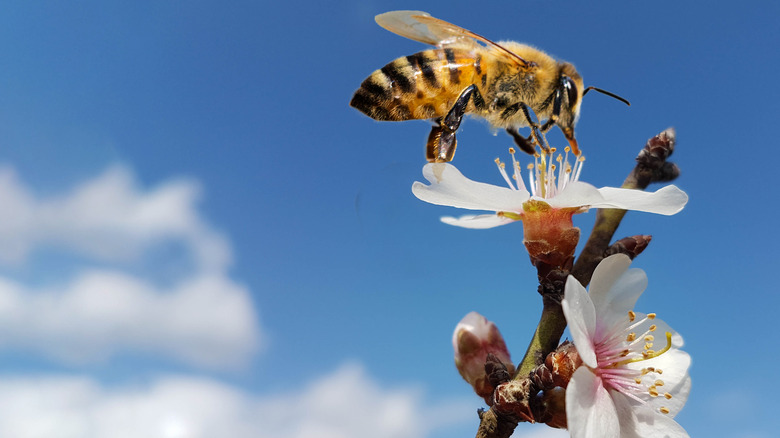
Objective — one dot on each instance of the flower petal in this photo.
(614, 290)
(677, 381)
(606, 274)
(638, 421)
(581, 317)
(576, 194)
(449, 187)
(481, 221)
(590, 412)
(666, 200)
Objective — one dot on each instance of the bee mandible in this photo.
(506, 83)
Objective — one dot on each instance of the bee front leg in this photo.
(441, 141)
(535, 128)
(526, 143)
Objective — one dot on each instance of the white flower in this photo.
(556, 187)
(626, 387)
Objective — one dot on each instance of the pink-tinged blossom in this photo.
(634, 378)
(473, 339)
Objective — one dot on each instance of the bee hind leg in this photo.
(441, 141)
(441, 144)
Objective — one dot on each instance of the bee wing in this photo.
(421, 26)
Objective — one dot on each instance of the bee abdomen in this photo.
(410, 87)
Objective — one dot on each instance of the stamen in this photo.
(664, 410)
(648, 354)
(668, 396)
(502, 170)
(631, 337)
(509, 214)
(651, 316)
(631, 315)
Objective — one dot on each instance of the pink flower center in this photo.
(617, 349)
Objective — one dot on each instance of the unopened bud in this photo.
(475, 337)
(631, 246)
(558, 367)
(512, 399)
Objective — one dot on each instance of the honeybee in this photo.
(505, 83)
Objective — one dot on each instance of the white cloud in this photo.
(201, 317)
(206, 320)
(344, 404)
(525, 430)
(107, 217)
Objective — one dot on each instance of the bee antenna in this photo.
(613, 95)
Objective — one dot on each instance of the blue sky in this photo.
(200, 238)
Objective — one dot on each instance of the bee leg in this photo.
(568, 131)
(441, 144)
(525, 144)
(535, 128)
(441, 141)
(556, 112)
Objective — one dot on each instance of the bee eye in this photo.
(571, 90)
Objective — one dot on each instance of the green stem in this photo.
(546, 338)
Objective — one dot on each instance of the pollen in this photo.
(631, 337)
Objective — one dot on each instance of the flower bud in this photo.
(474, 338)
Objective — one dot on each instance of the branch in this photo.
(651, 167)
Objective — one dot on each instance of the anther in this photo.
(668, 396)
(664, 410)
(652, 391)
(652, 328)
(511, 150)
(658, 383)
(631, 315)
(631, 337)
(651, 316)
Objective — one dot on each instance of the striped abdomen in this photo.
(420, 86)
